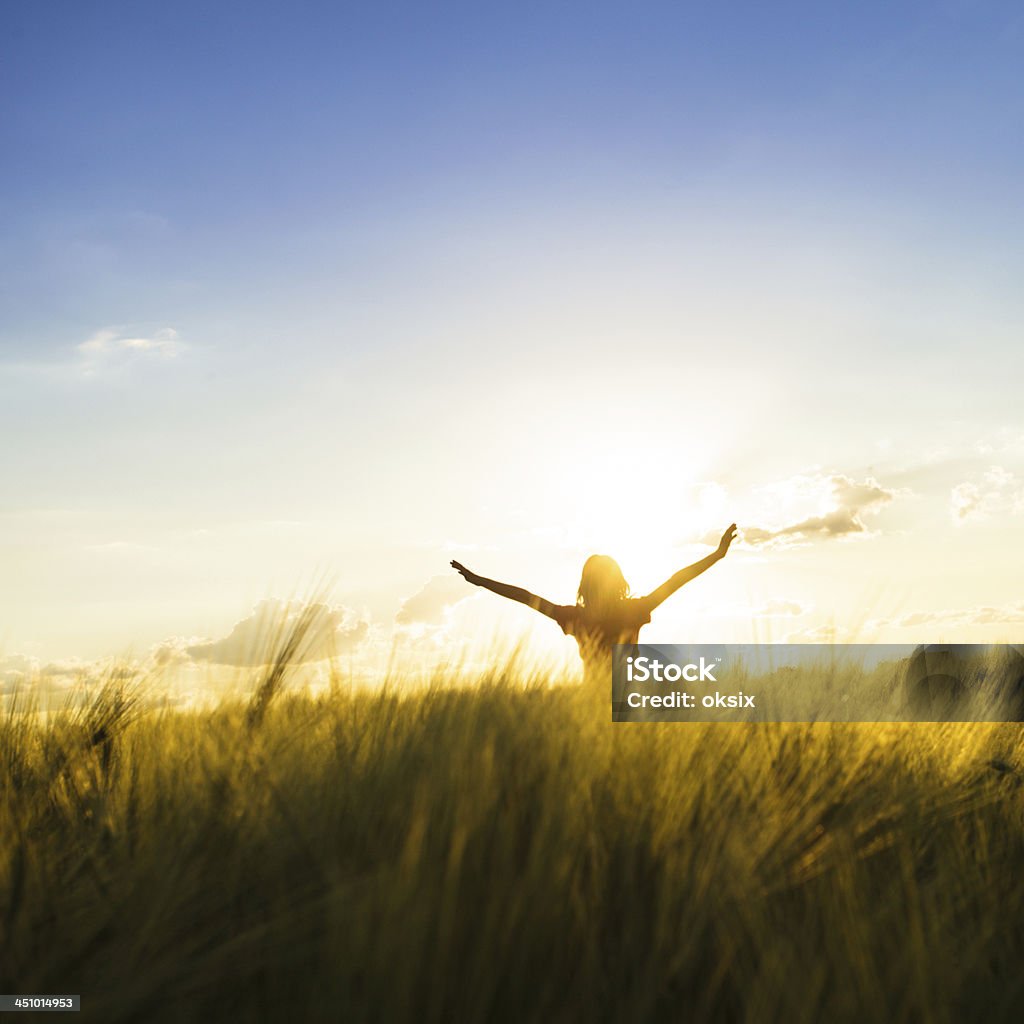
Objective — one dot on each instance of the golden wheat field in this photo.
(501, 852)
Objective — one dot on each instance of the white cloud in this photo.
(965, 502)
(431, 603)
(815, 507)
(110, 346)
(21, 673)
(998, 491)
(981, 615)
(173, 651)
(15, 671)
(297, 631)
(1004, 440)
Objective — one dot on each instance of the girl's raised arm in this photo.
(673, 583)
(538, 604)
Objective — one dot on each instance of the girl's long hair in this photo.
(602, 583)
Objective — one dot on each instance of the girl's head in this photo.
(602, 583)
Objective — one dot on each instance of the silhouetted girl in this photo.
(604, 614)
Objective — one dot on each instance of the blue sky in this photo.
(163, 158)
(294, 286)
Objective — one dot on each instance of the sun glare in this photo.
(649, 503)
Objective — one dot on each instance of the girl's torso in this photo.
(597, 631)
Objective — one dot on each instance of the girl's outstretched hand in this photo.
(469, 577)
(723, 545)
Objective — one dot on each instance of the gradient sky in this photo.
(301, 289)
